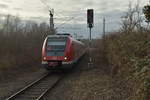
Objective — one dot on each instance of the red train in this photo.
(61, 51)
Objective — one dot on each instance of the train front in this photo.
(55, 51)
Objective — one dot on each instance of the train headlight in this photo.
(65, 58)
(44, 58)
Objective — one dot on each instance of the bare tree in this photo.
(11, 25)
(132, 19)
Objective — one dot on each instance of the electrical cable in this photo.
(50, 9)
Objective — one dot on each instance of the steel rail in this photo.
(39, 85)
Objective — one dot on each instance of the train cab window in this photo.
(56, 46)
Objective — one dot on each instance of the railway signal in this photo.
(90, 18)
(90, 23)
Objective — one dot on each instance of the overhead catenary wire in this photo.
(65, 22)
(49, 8)
(58, 15)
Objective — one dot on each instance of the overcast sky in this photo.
(66, 9)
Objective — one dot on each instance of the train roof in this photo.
(59, 35)
(63, 35)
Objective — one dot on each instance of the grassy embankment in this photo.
(128, 55)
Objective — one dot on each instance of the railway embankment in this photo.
(128, 55)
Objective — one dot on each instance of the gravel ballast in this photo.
(16, 82)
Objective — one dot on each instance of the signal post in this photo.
(90, 24)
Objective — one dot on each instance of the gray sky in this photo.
(66, 9)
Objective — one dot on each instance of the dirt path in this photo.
(88, 83)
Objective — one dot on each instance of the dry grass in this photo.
(87, 83)
(129, 58)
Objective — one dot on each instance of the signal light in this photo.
(90, 18)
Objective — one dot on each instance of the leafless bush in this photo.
(132, 20)
(22, 42)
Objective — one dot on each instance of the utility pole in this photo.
(90, 39)
(104, 22)
(103, 40)
(51, 13)
(75, 34)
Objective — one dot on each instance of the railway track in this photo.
(37, 89)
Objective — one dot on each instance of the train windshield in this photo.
(56, 46)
